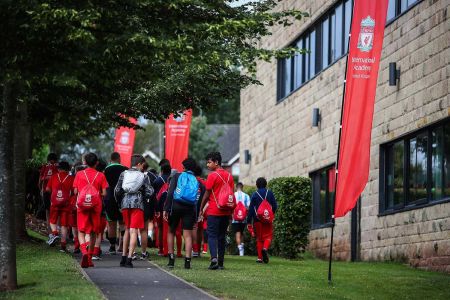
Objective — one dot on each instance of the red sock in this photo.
(96, 251)
(205, 247)
(55, 232)
(267, 244)
(195, 247)
(259, 247)
(76, 243)
(83, 248)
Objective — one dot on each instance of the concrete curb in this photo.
(184, 281)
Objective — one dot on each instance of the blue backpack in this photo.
(187, 189)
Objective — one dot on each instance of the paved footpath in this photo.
(144, 281)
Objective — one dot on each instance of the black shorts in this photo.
(185, 213)
(238, 227)
(113, 213)
(149, 209)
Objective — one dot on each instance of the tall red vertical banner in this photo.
(124, 143)
(366, 41)
(177, 138)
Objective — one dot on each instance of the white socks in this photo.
(241, 249)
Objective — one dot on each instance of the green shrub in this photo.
(292, 220)
(249, 189)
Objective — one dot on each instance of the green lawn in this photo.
(45, 273)
(307, 279)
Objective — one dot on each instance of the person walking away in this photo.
(45, 173)
(60, 188)
(197, 233)
(161, 186)
(132, 189)
(240, 216)
(149, 212)
(90, 187)
(181, 204)
(219, 196)
(113, 215)
(261, 213)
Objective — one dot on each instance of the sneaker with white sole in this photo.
(53, 240)
(144, 256)
(96, 257)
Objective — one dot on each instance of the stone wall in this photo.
(282, 141)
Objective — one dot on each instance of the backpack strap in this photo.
(88, 178)
(162, 179)
(260, 195)
(228, 180)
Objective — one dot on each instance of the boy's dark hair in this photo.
(214, 157)
(101, 166)
(137, 159)
(240, 185)
(166, 169)
(145, 166)
(189, 164)
(164, 161)
(115, 156)
(64, 165)
(91, 159)
(198, 170)
(261, 183)
(52, 157)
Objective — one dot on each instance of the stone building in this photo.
(404, 212)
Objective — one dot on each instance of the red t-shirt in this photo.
(80, 181)
(53, 183)
(213, 184)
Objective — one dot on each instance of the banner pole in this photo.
(333, 222)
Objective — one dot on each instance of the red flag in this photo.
(177, 138)
(124, 143)
(366, 41)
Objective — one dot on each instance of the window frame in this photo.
(317, 210)
(384, 167)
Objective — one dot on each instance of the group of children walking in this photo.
(138, 205)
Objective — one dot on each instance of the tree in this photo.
(201, 140)
(81, 65)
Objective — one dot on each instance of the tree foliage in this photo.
(201, 140)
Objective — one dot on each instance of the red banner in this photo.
(177, 138)
(366, 41)
(124, 143)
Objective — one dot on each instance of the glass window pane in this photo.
(437, 147)
(403, 5)
(348, 18)
(394, 176)
(312, 55)
(325, 43)
(339, 31)
(307, 59)
(298, 66)
(287, 76)
(333, 37)
(418, 167)
(323, 197)
(411, 2)
(391, 10)
(447, 160)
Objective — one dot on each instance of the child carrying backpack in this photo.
(240, 216)
(260, 218)
(60, 188)
(181, 204)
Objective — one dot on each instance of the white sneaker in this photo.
(241, 249)
(50, 237)
(95, 257)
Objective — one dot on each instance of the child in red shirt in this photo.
(60, 188)
(89, 221)
(218, 218)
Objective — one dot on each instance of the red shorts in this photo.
(88, 221)
(263, 231)
(62, 214)
(133, 218)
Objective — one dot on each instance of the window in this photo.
(397, 7)
(323, 183)
(416, 170)
(326, 42)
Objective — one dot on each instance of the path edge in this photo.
(184, 281)
(86, 276)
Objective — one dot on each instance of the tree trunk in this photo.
(21, 139)
(8, 273)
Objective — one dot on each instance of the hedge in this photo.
(293, 218)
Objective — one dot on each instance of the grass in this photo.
(46, 273)
(307, 279)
